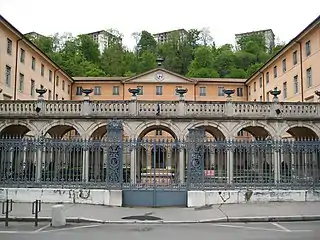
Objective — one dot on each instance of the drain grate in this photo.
(142, 218)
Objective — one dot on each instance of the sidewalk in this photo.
(231, 212)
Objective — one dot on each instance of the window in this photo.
(260, 98)
(254, 86)
(275, 71)
(140, 90)
(220, 91)
(22, 55)
(158, 90)
(63, 85)
(284, 65)
(295, 84)
(159, 132)
(116, 90)
(267, 77)
(32, 87)
(97, 90)
(79, 91)
(308, 48)
(260, 82)
(21, 82)
(202, 91)
(33, 63)
(309, 77)
(57, 97)
(49, 95)
(285, 90)
(68, 89)
(249, 90)
(8, 76)
(295, 57)
(9, 46)
(62, 98)
(57, 81)
(50, 75)
(42, 70)
(240, 92)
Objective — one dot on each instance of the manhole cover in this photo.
(142, 218)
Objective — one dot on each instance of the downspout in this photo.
(195, 91)
(54, 83)
(16, 70)
(122, 91)
(263, 87)
(301, 72)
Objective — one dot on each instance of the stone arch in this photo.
(146, 127)
(253, 127)
(17, 128)
(214, 128)
(98, 127)
(301, 130)
(66, 126)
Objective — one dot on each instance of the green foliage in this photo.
(194, 55)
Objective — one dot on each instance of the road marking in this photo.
(281, 227)
(42, 228)
(251, 228)
(71, 228)
(13, 232)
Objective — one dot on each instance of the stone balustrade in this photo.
(158, 109)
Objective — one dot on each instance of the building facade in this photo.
(268, 35)
(24, 68)
(165, 36)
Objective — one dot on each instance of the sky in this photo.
(223, 18)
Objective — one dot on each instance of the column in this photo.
(212, 158)
(230, 161)
(133, 166)
(169, 158)
(85, 164)
(276, 158)
(38, 155)
(181, 165)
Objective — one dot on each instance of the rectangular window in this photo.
(158, 90)
(260, 82)
(267, 77)
(284, 65)
(275, 71)
(33, 63)
(116, 90)
(260, 98)
(63, 85)
(97, 90)
(240, 92)
(254, 86)
(50, 75)
(21, 82)
(9, 46)
(202, 91)
(42, 70)
(8, 76)
(308, 48)
(295, 57)
(249, 90)
(221, 91)
(309, 77)
(79, 91)
(140, 90)
(57, 81)
(32, 87)
(68, 89)
(22, 55)
(295, 84)
(49, 95)
(285, 90)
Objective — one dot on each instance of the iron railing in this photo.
(159, 163)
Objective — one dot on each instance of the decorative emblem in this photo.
(159, 76)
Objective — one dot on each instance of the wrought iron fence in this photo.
(159, 163)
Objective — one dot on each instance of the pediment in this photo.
(159, 75)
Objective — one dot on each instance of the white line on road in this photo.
(72, 228)
(281, 227)
(13, 232)
(251, 228)
(42, 228)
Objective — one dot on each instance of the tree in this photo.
(146, 43)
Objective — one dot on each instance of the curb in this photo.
(297, 218)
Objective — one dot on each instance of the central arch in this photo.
(60, 128)
(255, 128)
(217, 130)
(99, 130)
(144, 128)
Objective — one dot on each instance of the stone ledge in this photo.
(50, 195)
(207, 198)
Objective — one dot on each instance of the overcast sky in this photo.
(224, 18)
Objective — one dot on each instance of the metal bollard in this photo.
(6, 209)
(36, 208)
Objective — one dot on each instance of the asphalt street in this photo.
(227, 231)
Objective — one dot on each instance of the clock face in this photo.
(159, 76)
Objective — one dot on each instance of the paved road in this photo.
(227, 231)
